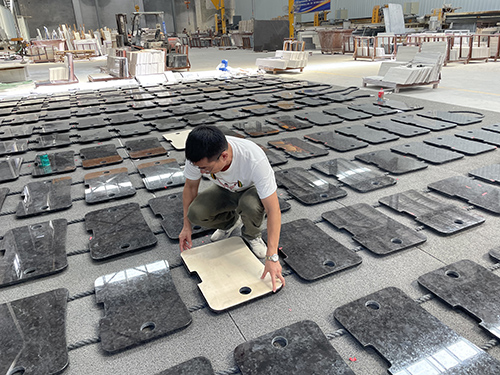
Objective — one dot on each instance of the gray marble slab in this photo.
(391, 162)
(298, 148)
(490, 173)
(45, 196)
(106, 185)
(461, 145)
(198, 366)
(434, 125)
(427, 153)
(366, 134)
(319, 118)
(9, 169)
(59, 162)
(397, 128)
(336, 141)
(481, 135)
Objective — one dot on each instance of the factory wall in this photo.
(49, 13)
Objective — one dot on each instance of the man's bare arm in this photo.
(189, 193)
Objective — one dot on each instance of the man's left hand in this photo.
(274, 270)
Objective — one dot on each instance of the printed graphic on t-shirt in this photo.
(228, 185)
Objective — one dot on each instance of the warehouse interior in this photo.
(381, 124)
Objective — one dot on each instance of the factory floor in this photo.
(473, 87)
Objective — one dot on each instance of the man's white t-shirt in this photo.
(249, 166)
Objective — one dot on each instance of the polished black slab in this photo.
(274, 158)
(312, 101)
(427, 153)
(306, 187)
(319, 118)
(434, 125)
(481, 135)
(397, 128)
(224, 104)
(3, 194)
(289, 123)
(129, 130)
(372, 110)
(58, 162)
(144, 148)
(106, 185)
(90, 122)
(199, 119)
(298, 148)
(49, 141)
(264, 98)
(492, 128)
(490, 173)
(97, 156)
(442, 217)
(165, 124)
(287, 105)
(161, 174)
(121, 118)
(256, 128)
(409, 338)
(45, 196)
(20, 119)
(456, 117)
(391, 162)
(184, 109)
(231, 114)
(94, 135)
(399, 105)
(169, 102)
(471, 287)
(33, 339)
(198, 366)
(336, 141)
(142, 105)
(140, 304)
(297, 349)
(33, 251)
(354, 175)
(200, 98)
(259, 109)
(460, 145)
(11, 147)
(57, 115)
(311, 252)
(474, 192)
(88, 111)
(347, 114)
(117, 230)
(153, 114)
(170, 208)
(9, 169)
(366, 134)
(286, 95)
(9, 132)
(374, 230)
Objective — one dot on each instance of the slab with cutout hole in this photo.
(54, 127)
(347, 114)
(319, 118)
(481, 135)
(223, 104)
(178, 139)
(98, 156)
(442, 217)
(117, 230)
(391, 162)
(490, 173)
(45, 196)
(106, 185)
(50, 141)
(256, 128)
(391, 322)
(425, 152)
(336, 141)
(198, 366)
(397, 128)
(90, 122)
(372, 110)
(474, 192)
(354, 175)
(57, 115)
(229, 272)
(312, 102)
(374, 230)
(88, 111)
(311, 252)
(455, 117)
(461, 145)
(20, 119)
(140, 304)
(184, 109)
(94, 135)
(300, 348)
(170, 208)
(298, 148)
(9, 169)
(399, 105)
(306, 187)
(16, 146)
(274, 158)
(144, 148)
(34, 334)
(59, 162)
(153, 114)
(21, 131)
(264, 98)
(367, 134)
(471, 287)
(129, 130)
(33, 251)
(259, 109)
(426, 123)
(231, 114)
(287, 105)
(289, 123)
(199, 119)
(161, 174)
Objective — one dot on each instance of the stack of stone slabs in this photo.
(215, 335)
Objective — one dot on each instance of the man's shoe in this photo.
(258, 247)
(221, 234)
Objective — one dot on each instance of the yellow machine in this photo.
(220, 20)
(320, 17)
(378, 13)
(291, 19)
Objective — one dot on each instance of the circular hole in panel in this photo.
(452, 274)
(148, 327)
(157, 162)
(27, 271)
(375, 182)
(324, 195)
(458, 221)
(245, 290)
(149, 153)
(106, 172)
(125, 246)
(398, 241)
(111, 194)
(103, 161)
(372, 305)
(173, 196)
(44, 207)
(17, 371)
(329, 263)
(196, 227)
(407, 145)
(36, 226)
(279, 342)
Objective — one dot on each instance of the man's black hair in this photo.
(205, 141)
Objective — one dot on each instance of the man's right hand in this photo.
(185, 242)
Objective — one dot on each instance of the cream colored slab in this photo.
(178, 139)
(229, 271)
